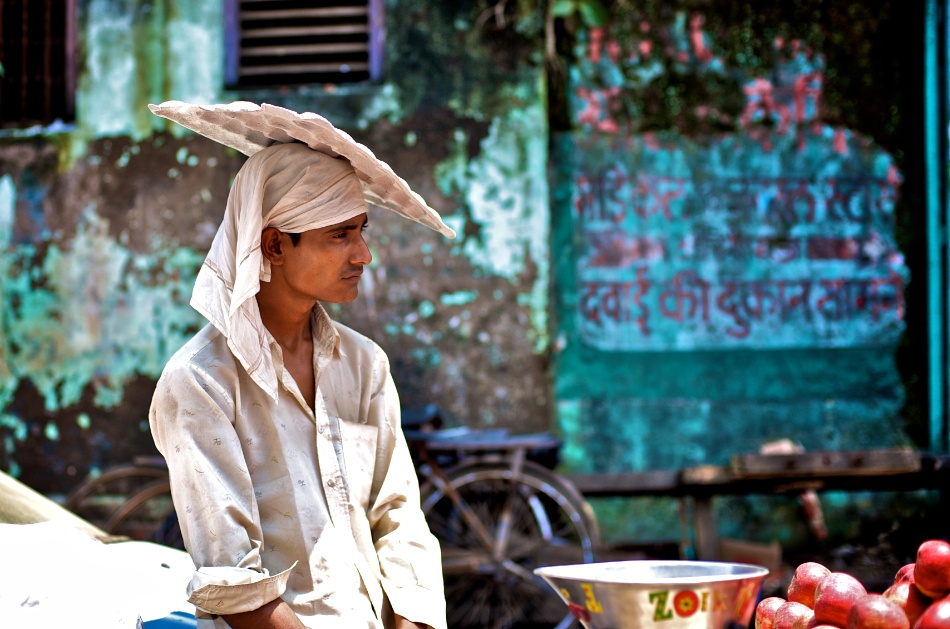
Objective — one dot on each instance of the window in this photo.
(293, 42)
(37, 43)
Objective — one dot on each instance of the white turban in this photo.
(287, 186)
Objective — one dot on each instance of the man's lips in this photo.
(353, 276)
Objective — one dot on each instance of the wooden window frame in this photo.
(233, 50)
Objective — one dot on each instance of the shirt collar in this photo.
(326, 339)
(325, 335)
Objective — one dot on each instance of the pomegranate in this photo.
(937, 616)
(765, 611)
(793, 616)
(908, 598)
(932, 569)
(805, 581)
(876, 611)
(906, 573)
(835, 595)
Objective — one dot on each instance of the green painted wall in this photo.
(103, 225)
(731, 211)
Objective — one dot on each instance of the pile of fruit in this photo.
(821, 599)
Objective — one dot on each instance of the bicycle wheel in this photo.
(494, 532)
(99, 499)
(145, 515)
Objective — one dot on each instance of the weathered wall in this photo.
(727, 220)
(103, 226)
(701, 150)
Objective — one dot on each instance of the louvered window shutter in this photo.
(37, 44)
(294, 42)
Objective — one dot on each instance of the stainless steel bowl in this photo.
(646, 594)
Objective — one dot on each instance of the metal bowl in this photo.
(646, 594)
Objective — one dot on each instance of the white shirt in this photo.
(320, 508)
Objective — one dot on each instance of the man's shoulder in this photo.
(207, 348)
(350, 338)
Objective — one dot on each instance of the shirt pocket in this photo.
(359, 456)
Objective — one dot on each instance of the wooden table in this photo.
(747, 474)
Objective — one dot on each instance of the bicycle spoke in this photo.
(533, 524)
(474, 517)
(526, 576)
(475, 522)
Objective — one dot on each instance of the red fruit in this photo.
(805, 581)
(834, 597)
(908, 598)
(932, 570)
(793, 616)
(906, 573)
(876, 611)
(765, 611)
(937, 616)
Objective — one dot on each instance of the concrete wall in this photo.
(104, 223)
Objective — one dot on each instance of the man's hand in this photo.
(274, 615)
(402, 623)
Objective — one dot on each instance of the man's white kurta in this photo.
(319, 507)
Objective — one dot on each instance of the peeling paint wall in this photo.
(103, 226)
(757, 151)
(94, 298)
(138, 52)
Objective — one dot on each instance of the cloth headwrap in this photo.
(287, 186)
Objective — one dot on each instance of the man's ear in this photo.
(272, 246)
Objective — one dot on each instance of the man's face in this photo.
(327, 263)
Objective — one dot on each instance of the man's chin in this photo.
(342, 299)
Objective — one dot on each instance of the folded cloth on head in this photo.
(248, 128)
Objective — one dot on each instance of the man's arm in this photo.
(274, 615)
(408, 553)
(190, 419)
(402, 623)
(278, 615)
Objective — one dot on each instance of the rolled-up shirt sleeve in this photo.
(409, 555)
(191, 420)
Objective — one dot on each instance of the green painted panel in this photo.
(728, 268)
(610, 434)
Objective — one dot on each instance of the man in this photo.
(295, 491)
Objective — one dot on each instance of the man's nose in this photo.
(362, 255)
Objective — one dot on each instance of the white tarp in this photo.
(56, 577)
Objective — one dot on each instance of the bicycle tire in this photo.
(98, 499)
(109, 477)
(129, 518)
(548, 521)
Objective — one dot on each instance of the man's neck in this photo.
(289, 324)
(291, 328)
